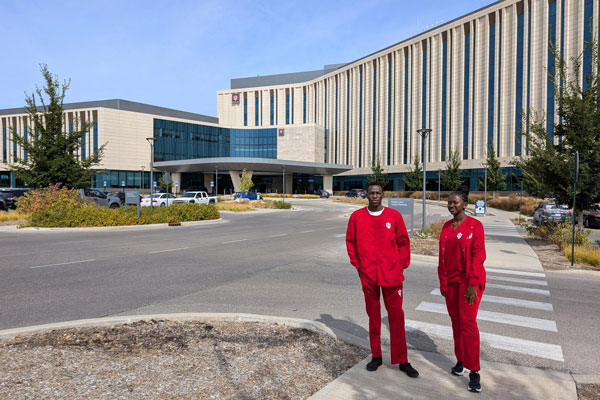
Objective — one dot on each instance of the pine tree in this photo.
(414, 177)
(377, 174)
(496, 180)
(52, 154)
(548, 169)
(245, 182)
(451, 177)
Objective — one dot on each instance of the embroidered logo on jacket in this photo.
(459, 235)
(388, 225)
(470, 236)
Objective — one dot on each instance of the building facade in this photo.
(471, 81)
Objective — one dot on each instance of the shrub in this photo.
(37, 200)
(282, 205)
(295, 196)
(234, 206)
(13, 215)
(588, 255)
(559, 234)
(511, 203)
(434, 231)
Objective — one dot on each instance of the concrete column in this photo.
(207, 179)
(176, 177)
(328, 183)
(289, 178)
(235, 179)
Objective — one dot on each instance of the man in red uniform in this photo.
(379, 248)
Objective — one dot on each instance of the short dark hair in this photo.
(374, 183)
(462, 192)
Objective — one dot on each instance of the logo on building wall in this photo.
(281, 132)
(235, 98)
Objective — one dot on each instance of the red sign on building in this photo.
(235, 98)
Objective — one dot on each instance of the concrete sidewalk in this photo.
(499, 381)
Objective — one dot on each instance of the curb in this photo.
(9, 228)
(423, 257)
(314, 326)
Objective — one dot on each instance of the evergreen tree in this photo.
(451, 177)
(377, 174)
(496, 180)
(245, 182)
(548, 169)
(414, 177)
(52, 153)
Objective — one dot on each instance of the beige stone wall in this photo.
(301, 143)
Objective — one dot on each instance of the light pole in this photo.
(142, 178)
(439, 184)
(283, 191)
(424, 132)
(485, 165)
(216, 180)
(151, 141)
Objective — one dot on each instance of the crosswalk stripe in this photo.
(517, 280)
(522, 346)
(518, 289)
(509, 301)
(512, 272)
(502, 318)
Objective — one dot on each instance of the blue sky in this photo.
(178, 53)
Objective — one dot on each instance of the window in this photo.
(444, 94)
(245, 109)
(287, 106)
(491, 77)
(465, 150)
(519, 83)
(550, 98)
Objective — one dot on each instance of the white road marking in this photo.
(339, 235)
(517, 280)
(511, 272)
(164, 251)
(234, 241)
(307, 231)
(509, 301)
(532, 348)
(65, 263)
(518, 289)
(501, 318)
(283, 234)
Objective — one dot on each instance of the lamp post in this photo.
(485, 165)
(151, 141)
(439, 184)
(424, 132)
(142, 177)
(216, 180)
(283, 191)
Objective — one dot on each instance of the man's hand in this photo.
(358, 270)
(471, 294)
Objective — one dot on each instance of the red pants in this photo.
(464, 324)
(392, 298)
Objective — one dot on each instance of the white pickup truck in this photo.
(196, 197)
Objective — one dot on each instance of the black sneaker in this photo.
(458, 369)
(374, 364)
(409, 370)
(474, 384)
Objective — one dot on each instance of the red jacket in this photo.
(462, 253)
(378, 246)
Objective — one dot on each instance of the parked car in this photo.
(248, 195)
(158, 200)
(357, 193)
(10, 196)
(196, 197)
(323, 193)
(591, 217)
(101, 198)
(3, 205)
(549, 211)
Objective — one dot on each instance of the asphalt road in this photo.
(285, 263)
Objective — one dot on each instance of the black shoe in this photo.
(458, 369)
(410, 371)
(374, 364)
(474, 384)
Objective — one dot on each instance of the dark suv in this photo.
(10, 196)
(361, 193)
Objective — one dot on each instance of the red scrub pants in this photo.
(392, 298)
(464, 324)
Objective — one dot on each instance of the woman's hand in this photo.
(443, 293)
(471, 294)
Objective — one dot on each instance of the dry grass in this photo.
(287, 196)
(511, 203)
(234, 206)
(352, 200)
(584, 254)
(13, 215)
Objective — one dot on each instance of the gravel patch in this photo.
(427, 247)
(588, 391)
(163, 359)
(551, 257)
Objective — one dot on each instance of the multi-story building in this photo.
(471, 81)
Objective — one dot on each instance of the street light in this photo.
(151, 141)
(142, 178)
(485, 165)
(216, 180)
(424, 132)
(439, 184)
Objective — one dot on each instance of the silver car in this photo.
(101, 198)
(551, 212)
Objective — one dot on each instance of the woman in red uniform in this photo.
(462, 281)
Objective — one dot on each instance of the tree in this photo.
(495, 178)
(548, 168)
(167, 186)
(451, 177)
(53, 155)
(245, 182)
(377, 174)
(414, 177)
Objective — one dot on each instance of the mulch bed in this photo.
(169, 359)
